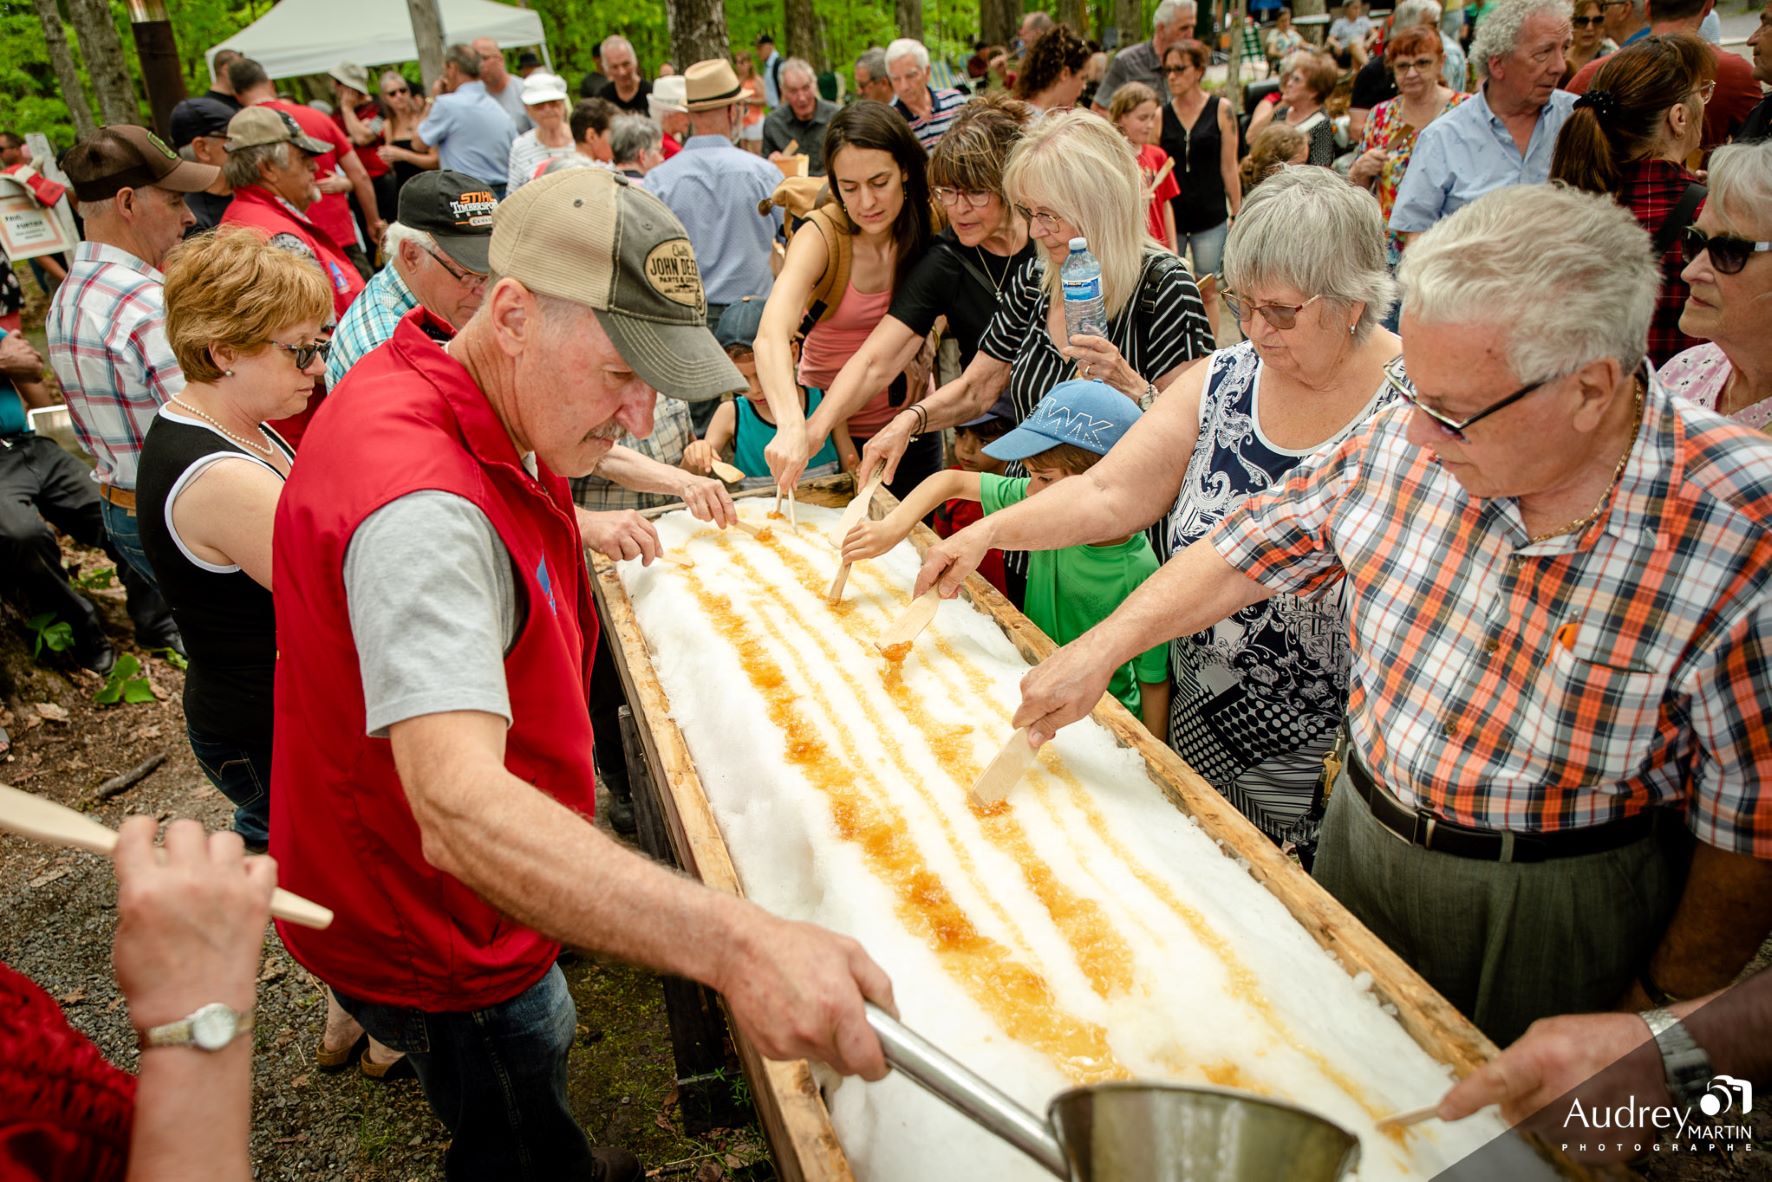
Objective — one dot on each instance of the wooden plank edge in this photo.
(790, 1107)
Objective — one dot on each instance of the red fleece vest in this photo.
(408, 418)
(254, 206)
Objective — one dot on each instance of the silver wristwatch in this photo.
(1687, 1067)
(209, 1028)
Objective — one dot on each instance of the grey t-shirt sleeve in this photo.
(434, 609)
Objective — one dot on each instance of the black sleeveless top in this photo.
(227, 621)
(1201, 204)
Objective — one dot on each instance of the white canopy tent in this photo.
(311, 36)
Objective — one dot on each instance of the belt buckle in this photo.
(1416, 836)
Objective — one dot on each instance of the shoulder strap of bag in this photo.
(973, 269)
(1680, 218)
(828, 292)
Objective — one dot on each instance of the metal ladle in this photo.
(1133, 1132)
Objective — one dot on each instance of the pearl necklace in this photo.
(265, 449)
(1581, 523)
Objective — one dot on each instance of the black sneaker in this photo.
(615, 1165)
(95, 653)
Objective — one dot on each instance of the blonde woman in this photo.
(407, 154)
(544, 97)
(1072, 176)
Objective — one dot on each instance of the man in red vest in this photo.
(433, 752)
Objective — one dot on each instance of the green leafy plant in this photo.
(50, 633)
(172, 657)
(124, 684)
(95, 580)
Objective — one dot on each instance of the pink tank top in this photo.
(833, 342)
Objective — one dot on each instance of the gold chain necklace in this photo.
(265, 449)
(1581, 523)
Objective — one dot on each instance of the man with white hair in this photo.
(1375, 82)
(801, 118)
(626, 87)
(1173, 22)
(437, 636)
(930, 112)
(1505, 134)
(501, 88)
(871, 78)
(1033, 26)
(1558, 612)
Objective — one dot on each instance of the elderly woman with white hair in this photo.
(1258, 695)
(1729, 273)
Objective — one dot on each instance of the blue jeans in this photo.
(243, 775)
(496, 1078)
(126, 535)
(1208, 248)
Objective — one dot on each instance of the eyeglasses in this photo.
(951, 196)
(1278, 315)
(468, 279)
(390, 93)
(1397, 380)
(1728, 254)
(1046, 221)
(1588, 22)
(304, 354)
(1421, 65)
(1706, 90)
(1176, 69)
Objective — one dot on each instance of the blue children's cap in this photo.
(1003, 408)
(738, 325)
(1091, 415)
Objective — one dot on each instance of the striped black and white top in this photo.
(1161, 326)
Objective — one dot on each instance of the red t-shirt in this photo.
(370, 116)
(332, 212)
(1151, 160)
(955, 516)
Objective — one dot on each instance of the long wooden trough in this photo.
(789, 1104)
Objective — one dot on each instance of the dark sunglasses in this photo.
(1278, 315)
(1398, 380)
(396, 90)
(1728, 254)
(304, 354)
(1588, 22)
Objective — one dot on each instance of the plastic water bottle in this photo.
(1084, 309)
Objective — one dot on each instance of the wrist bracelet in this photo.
(1655, 993)
(922, 419)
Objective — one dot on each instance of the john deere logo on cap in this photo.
(473, 208)
(672, 273)
(161, 146)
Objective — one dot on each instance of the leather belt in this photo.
(1420, 827)
(123, 498)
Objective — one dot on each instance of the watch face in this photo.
(212, 1027)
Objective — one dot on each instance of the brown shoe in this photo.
(338, 1060)
(396, 1068)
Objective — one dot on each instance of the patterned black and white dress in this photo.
(1259, 695)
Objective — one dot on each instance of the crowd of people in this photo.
(1481, 568)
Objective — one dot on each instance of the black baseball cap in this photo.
(199, 116)
(456, 210)
(124, 156)
(739, 323)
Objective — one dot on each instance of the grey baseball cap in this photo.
(590, 236)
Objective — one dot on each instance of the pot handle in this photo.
(945, 1078)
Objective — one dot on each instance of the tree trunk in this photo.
(910, 19)
(698, 31)
(1129, 20)
(1313, 34)
(105, 63)
(427, 35)
(998, 19)
(1073, 13)
(801, 27)
(62, 58)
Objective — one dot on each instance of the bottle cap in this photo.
(1079, 244)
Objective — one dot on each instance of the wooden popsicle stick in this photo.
(1157, 181)
(858, 506)
(727, 472)
(835, 594)
(911, 624)
(793, 517)
(1005, 771)
(685, 563)
(1403, 1120)
(761, 532)
(41, 819)
(792, 148)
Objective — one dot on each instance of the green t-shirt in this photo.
(1072, 590)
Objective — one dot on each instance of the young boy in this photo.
(743, 424)
(970, 440)
(1069, 591)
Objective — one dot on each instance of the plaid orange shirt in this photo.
(1552, 686)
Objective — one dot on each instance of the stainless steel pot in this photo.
(1133, 1132)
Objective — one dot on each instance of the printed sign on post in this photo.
(27, 229)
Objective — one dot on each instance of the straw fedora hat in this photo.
(712, 84)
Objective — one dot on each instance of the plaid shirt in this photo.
(1650, 189)
(369, 321)
(107, 345)
(672, 432)
(1556, 685)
